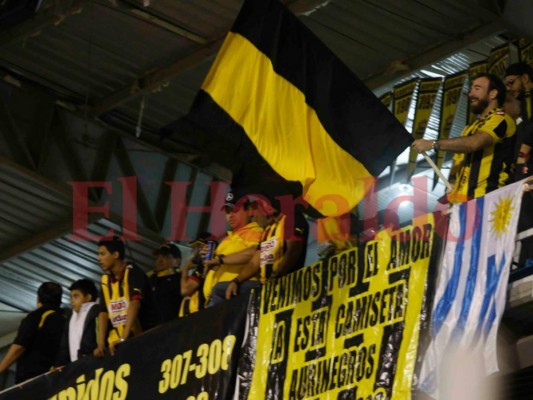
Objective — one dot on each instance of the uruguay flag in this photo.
(470, 293)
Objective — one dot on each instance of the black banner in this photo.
(192, 358)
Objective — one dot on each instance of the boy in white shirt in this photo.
(80, 333)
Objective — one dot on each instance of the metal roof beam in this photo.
(157, 78)
(39, 133)
(46, 17)
(127, 168)
(151, 140)
(52, 187)
(51, 232)
(13, 137)
(56, 229)
(73, 162)
(153, 80)
(435, 54)
(163, 197)
(150, 17)
(107, 143)
(304, 7)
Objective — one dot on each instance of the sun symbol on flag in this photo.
(501, 216)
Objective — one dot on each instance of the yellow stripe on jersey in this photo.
(117, 299)
(485, 169)
(44, 316)
(272, 249)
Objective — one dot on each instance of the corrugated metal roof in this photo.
(103, 48)
(37, 220)
(27, 208)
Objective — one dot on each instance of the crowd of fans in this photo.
(495, 149)
(259, 245)
(263, 243)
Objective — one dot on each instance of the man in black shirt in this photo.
(38, 337)
(165, 282)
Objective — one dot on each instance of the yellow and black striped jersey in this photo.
(486, 169)
(117, 295)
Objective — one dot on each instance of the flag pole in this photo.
(437, 170)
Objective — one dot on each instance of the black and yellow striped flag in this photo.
(499, 60)
(427, 93)
(288, 116)
(451, 95)
(525, 51)
(386, 100)
(402, 95)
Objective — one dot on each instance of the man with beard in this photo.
(485, 148)
(519, 83)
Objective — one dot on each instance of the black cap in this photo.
(202, 238)
(519, 69)
(169, 249)
(232, 200)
